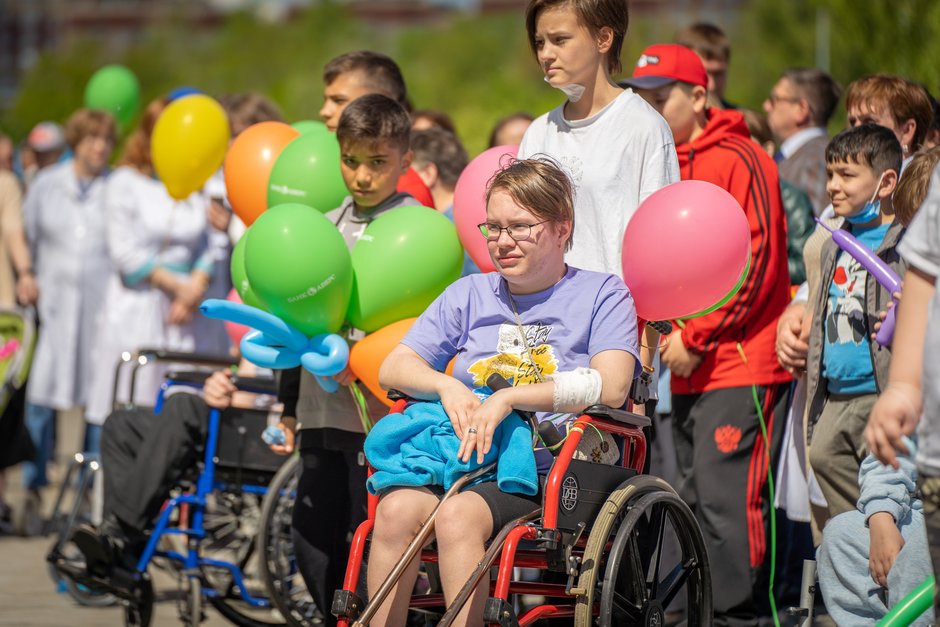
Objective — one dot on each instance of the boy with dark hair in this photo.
(374, 136)
(718, 361)
(360, 73)
(845, 371)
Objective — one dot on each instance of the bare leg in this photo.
(397, 520)
(463, 526)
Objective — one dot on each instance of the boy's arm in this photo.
(899, 406)
(884, 500)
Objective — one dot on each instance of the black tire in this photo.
(139, 613)
(283, 583)
(622, 579)
(83, 595)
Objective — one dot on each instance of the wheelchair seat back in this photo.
(241, 455)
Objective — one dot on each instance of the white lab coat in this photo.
(65, 227)
(146, 228)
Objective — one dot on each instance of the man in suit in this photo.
(798, 110)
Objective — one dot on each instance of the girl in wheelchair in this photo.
(565, 338)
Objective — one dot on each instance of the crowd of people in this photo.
(784, 378)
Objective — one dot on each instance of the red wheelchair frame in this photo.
(560, 547)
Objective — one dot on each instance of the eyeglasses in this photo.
(775, 98)
(517, 232)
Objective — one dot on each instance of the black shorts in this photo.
(505, 507)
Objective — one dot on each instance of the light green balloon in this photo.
(239, 276)
(307, 172)
(310, 126)
(299, 266)
(114, 89)
(402, 262)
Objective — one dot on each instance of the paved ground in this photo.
(29, 597)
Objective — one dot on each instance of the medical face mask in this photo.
(572, 90)
(871, 210)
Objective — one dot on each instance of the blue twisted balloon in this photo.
(277, 345)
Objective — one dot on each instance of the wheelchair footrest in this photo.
(500, 612)
(347, 604)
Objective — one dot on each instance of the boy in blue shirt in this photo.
(845, 369)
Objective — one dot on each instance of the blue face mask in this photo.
(870, 211)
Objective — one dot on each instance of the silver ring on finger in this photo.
(472, 430)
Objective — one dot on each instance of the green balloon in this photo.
(240, 278)
(402, 262)
(309, 126)
(307, 172)
(115, 89)
(298, 265)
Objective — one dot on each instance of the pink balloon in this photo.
(235, 331)
(684, 250)
(470, 201)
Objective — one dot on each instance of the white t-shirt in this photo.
(615, 158)
(920, 248)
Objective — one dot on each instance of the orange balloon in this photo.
(367, 354)
(248, 166)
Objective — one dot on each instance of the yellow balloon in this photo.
(188, 143)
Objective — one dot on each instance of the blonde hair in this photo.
(85, 122)
(912, 188)
(539, 186)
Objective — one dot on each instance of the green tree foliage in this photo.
(477, 68)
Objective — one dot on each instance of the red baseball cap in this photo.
(662, 64)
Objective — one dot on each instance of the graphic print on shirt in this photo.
(512, 360)
(846, 320)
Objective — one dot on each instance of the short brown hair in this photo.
(244, 110)
(444, 150)
(372, 119)
(903, 99)
(540, 186)
(85, 122)
(382, 73)
(819, 89)
(593, 14)
(137, 150)
(707, 40)
(912, 188)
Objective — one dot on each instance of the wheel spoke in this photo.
(623, 605)
(657, 526)
(675, 581)
(637, 576)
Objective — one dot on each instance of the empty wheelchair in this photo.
(599, 538)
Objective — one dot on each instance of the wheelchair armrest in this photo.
(617, 415)
(258, 385)
(395, 395)
(196, 359)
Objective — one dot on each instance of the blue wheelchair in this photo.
(206, 530)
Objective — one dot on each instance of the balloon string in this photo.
(362, 407)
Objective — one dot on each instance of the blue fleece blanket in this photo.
(419, 448)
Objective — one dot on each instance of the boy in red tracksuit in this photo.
(717, 358)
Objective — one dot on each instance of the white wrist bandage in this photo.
(576, 389)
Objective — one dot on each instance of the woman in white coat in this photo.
(65, 228)
(162, 266)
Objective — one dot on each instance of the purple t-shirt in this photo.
(580, 316)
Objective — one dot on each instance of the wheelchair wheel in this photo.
(83, 595)
(231, 523)
(623, 578)
(139, 612)
(284, 584)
